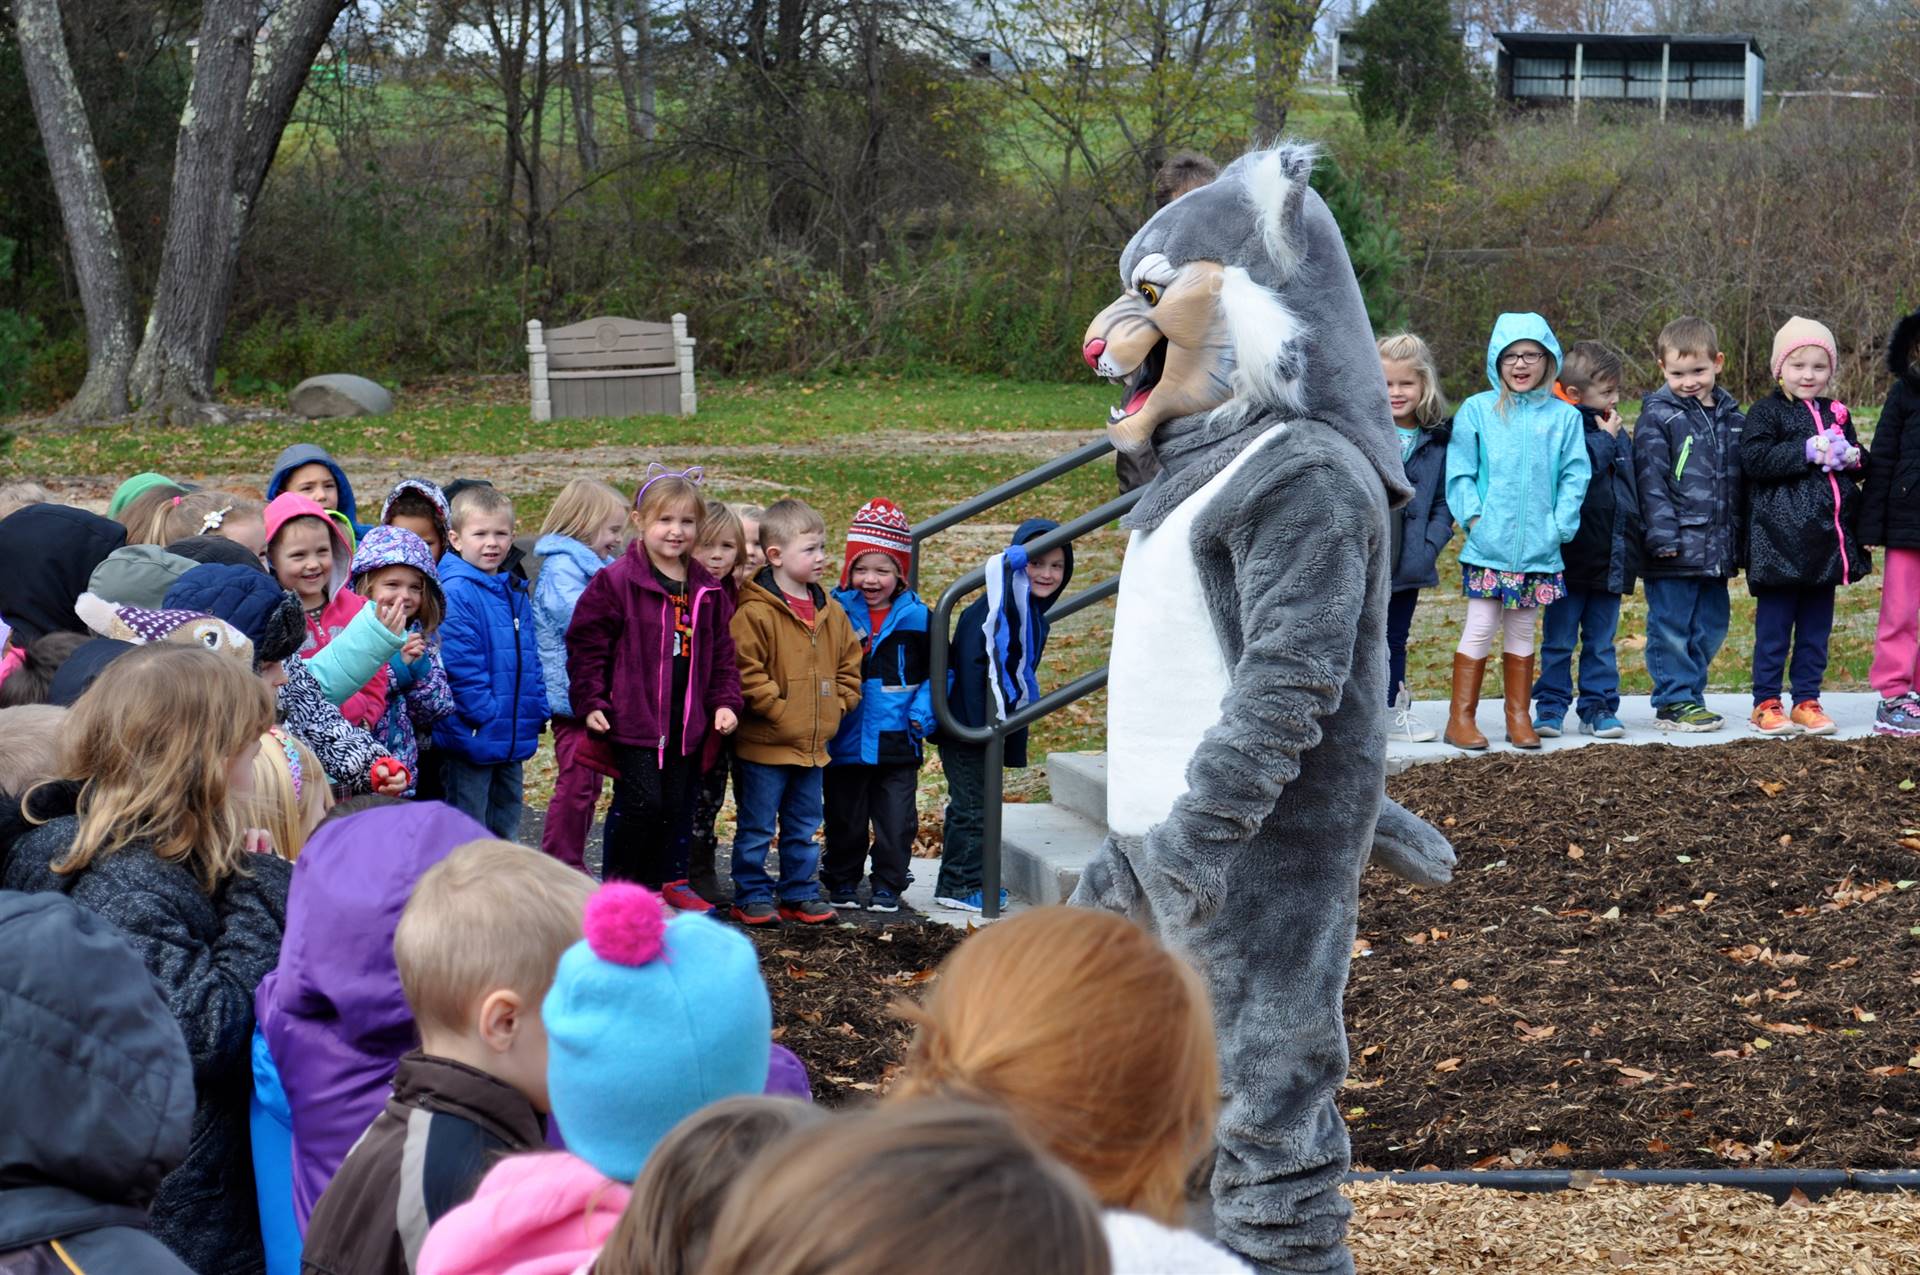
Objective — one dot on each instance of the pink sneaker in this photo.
(680, 896)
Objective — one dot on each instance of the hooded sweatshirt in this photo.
(566, 565)
(138, 575)
(311, 454)
(798, 680)
(418, 694)
(354, 677)
(50, 552)
(968, 695)
(332, 1012)
(102, 1097)
(1516, 478)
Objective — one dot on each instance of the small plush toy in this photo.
(141, 625)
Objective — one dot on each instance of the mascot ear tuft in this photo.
(1276, 187)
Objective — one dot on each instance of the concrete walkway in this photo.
(1852, 712)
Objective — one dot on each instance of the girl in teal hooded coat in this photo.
(1516, 473)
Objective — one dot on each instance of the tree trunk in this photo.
(579, 87)
(93, 238)
(173, 372)
(623, 65)
(1282, 34)
(643, 59)
(440, 19)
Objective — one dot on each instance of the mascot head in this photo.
(141, 625)
(1240, 292)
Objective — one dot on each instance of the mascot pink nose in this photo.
(1095, 348)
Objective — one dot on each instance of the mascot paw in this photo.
(1108, 883)
(1196, 884)
(1410, 847)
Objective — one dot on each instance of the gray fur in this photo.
(1255, 873)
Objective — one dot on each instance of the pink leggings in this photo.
(1486, 617)
(1896, 646)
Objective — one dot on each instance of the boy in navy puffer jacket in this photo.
(1686, 455)
(492, 659)
(1601, 559)
(873, 777)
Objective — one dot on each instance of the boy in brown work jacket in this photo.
(799, 673)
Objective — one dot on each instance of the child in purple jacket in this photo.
(650, 666)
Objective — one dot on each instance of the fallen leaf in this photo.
(1845, 963)
(1611, 914)
(1797, 1199)
(1447, 1064)
(1659, 1146)
(1575, 852)
(1863, 1016)
(1530, 1032)
(1459, 984)
(1771, 787)
(1888, 1071)
(1558, 1151)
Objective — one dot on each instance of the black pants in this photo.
(1400, 608)
(648, 844)
(880, 796)
(709, 795)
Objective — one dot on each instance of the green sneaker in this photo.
(1688, 718)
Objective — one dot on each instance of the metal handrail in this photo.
(993, 737)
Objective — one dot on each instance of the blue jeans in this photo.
(491, 794)
(762, 795)
(1587, 621)
(1686, 623)
(1801, 618)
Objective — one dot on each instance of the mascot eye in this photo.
(1151, 292)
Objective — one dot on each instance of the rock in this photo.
(339, 394)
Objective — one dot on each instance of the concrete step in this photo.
(1043, 849)
(1078, 782)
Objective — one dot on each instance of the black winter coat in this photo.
(50, 552)
(1802, 518)
(99, 1093)
(1687, 467)
(1890, 498)
(1425, 523)
(207, 953)
(1604, 555)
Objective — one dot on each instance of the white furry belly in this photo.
(1167, 674)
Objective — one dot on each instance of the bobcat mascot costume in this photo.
(1247, 690)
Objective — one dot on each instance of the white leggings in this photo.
(1486, 617)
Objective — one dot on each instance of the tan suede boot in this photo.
(1516, 671)
(1467, 676)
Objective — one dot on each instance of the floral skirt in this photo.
(1513, 589)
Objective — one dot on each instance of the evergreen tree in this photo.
(1414, 72)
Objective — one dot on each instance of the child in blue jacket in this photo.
(491, 653)
(873, 776)
(1516, 473)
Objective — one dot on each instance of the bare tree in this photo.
(93, 237)
(1282, 36)
(576, 40)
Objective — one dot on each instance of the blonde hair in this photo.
(955, 1184)
(432, 610)
(581, 507)
(146, 514)
(288, 816)
(29, 745)
(669, 491)
(490, 915)
(477, 499)
(1405, 347)
(201, 513)
(14, 496)
(152, 743)
(1096, 1038)
(785, 521)
(668, 1222)
(714, 527)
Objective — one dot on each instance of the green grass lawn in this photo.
(925, 442)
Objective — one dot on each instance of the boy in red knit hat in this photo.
(873, 776)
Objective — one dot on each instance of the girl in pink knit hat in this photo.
(1802, 462)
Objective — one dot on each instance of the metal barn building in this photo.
(1700, 74)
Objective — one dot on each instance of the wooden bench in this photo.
(611, 367)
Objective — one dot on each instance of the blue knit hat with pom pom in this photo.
(650, 1018)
